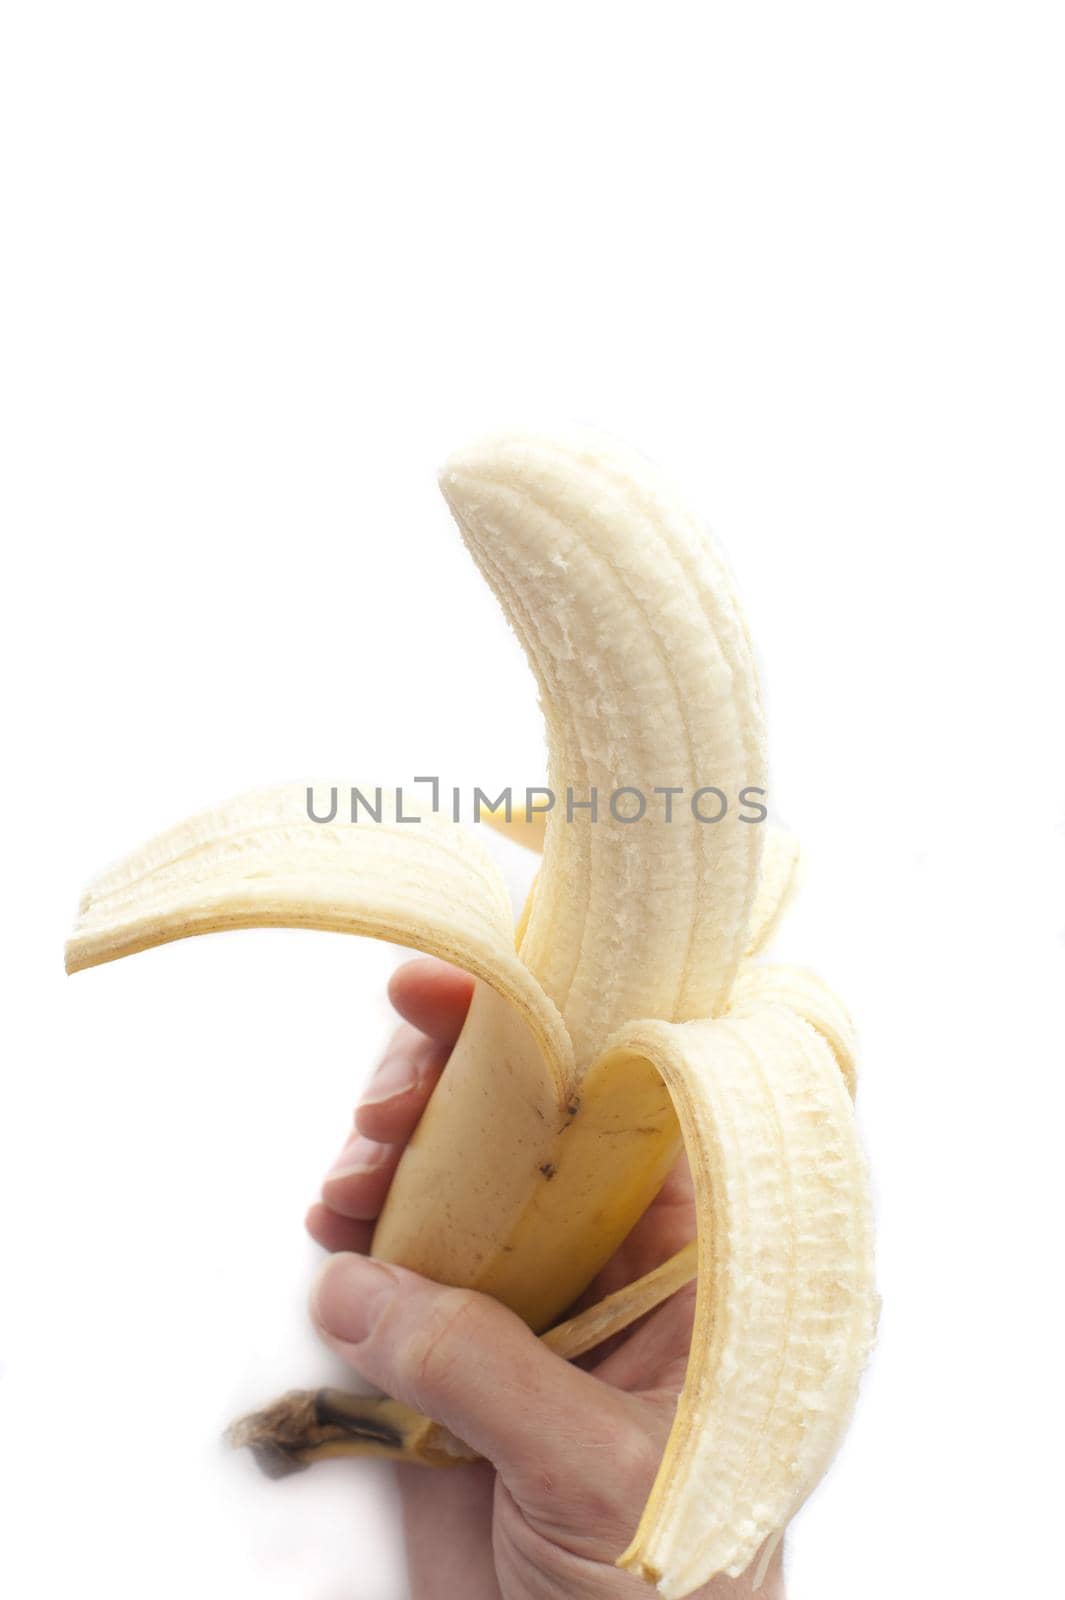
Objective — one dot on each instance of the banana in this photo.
(626, 1017)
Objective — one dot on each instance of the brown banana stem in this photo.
(308, 1425)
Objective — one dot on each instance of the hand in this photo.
(571, 1450)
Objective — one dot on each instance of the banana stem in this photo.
(308, 1425)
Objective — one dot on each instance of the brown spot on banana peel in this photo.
(485, 1157)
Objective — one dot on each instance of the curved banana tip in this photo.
(486, 460)
(491, 486)
(487, 448)
(524, 496)
(78, 956)
(520, 456)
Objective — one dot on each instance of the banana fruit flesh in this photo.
(628, 1017)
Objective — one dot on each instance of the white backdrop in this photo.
(264, 265)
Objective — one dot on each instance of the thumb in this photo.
(570, 1448)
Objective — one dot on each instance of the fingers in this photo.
(395, 1098)
(334, 1232)
(356, 1185)
(577, 1455)
(433, 997)
(399, 1089)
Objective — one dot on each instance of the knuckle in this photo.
(616, 1474)
(440, 1346)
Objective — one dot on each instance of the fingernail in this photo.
(358, 1155)
(395, 1076)
(350, 1295)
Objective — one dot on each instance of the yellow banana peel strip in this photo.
(259, 861)
(785, 1310)
(802, 991)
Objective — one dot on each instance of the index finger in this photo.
(432, 996)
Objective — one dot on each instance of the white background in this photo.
(264, 265)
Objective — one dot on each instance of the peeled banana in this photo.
(627, 1018)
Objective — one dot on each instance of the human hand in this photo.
(571, 1449)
